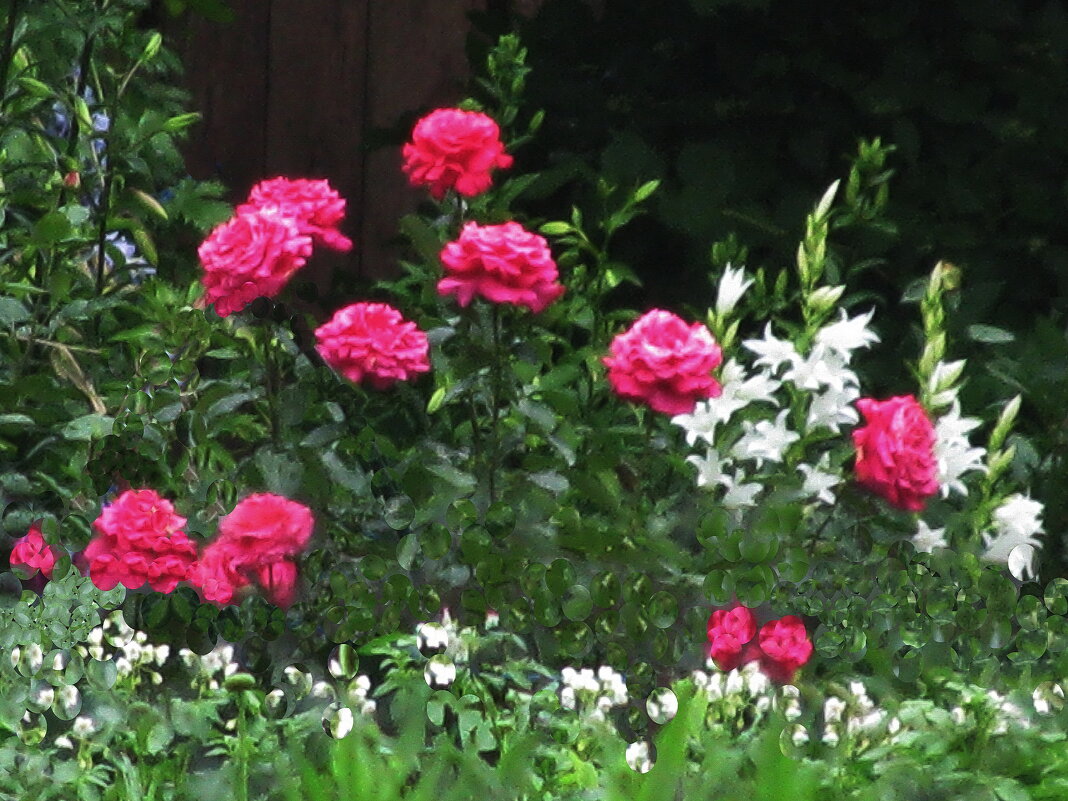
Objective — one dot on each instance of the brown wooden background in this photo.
(291, 87)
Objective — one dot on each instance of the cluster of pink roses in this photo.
(139, 541)
(269, 238)
(781, 648)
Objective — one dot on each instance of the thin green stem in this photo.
(273, 380)
(9, 46)
(495, 402)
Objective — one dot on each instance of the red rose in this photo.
(502, 263)
(139, 540)
(252, 255)
(256, 542)
(665, 363)
(895, 452)
(454, 149)
(373, 341)
(316, 208)
(32, 553)
(785, 647)
(728, 632)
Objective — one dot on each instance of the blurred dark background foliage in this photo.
(747, 109)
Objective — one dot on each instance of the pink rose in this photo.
(454, 149)
(252, 255)
(316, 208)
(139, 540)
(728, 632)
(32, 553)
(895, 452)
(256, 542)
(785, 647)
(502, 263)
(665, 363)
(373, 341)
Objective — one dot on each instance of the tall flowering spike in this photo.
(501, 263)
(665, 363)
(139, 540)
(373, 341)
(728, 633)
(454, 149)
(252, 255)
(785, 647)
(316, 208)
(257, 542)
(896, 452)
(31, 552)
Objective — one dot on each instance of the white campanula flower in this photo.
(772, 352)
(822, 367)
(709, 469)
(926, 539)
(740, 494)
(732, 286)
(765, 440)
(819, 481)
(847, 334)
(833, 408)
(736, 393)
(1017, 521)
(955, 455)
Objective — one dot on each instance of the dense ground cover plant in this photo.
(501, 444)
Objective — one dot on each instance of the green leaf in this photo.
(422, 237)
(990, 334)
(180, 122)
(281, 472)
(35, 87)
(436, 400)
(458, 478)
(354, 480)
(51, 228)
(88, 427)
(15, 419)
(12, 311)
(228, 404)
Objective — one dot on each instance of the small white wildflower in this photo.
(16, 654)
(830, 735)
(894, 726)
(604, 703)
(213, 685)
(763, 703)
(96, 636)
(567, 697)
(821, 368)
(342, 724)
(140, 638)
(1017, 521)
(132, 651)
(431, 635)
(230, 725)
(83, 726)
(734, 684)
(638, 757)
(161, 654)
(368, 707)
(124, 666)
(700, 679)
(833, 708)
(755, 681)
(958, 715)
(322, 689)
(97, 652)
(792, 710)
(765, 440)
(63, 741)
(800, 736)
(818, 481)
(732, 286)
(34, 657)
(189, 659)
(232, 667)
(439, 674)
(926, 539)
